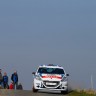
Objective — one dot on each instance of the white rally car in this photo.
(51, 77)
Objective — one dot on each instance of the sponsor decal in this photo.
(52, 76)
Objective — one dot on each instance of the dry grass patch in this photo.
(79, 92)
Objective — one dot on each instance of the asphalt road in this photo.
(6, 92)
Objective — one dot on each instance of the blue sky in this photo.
(34, 32)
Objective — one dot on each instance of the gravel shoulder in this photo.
(6, 92)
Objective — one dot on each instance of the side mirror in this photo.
(67, 74)
(33, 73)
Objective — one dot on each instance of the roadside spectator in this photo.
(14, 78)
(5, 81)
(1, 77)
(11, 86)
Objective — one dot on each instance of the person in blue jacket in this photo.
(14, 78)
(5, 81)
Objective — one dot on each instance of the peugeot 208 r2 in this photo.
(51, 77)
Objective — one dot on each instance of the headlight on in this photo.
(64, 79)
(38, 78)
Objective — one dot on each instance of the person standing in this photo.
(1, 77)
(5, 80)
(14, 78)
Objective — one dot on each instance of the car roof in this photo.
(51, 66)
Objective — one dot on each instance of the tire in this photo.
(34, 90)
(64, 92)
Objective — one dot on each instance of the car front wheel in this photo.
(64, 92)
(34, 90)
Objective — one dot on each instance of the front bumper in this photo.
(61, 86)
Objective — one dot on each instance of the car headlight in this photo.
(38, 77)
(64, 79)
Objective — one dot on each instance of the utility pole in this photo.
(91, 82)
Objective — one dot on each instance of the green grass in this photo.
(81, 93)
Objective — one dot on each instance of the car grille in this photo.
(51, 83)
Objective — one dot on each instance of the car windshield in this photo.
(50, 70)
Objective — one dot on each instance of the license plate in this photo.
(50, 83)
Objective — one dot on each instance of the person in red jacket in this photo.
(11, 86)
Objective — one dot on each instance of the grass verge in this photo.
(82, 93)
